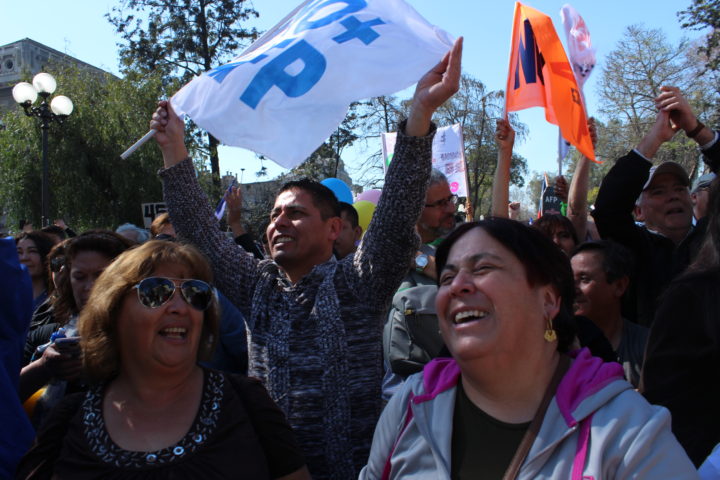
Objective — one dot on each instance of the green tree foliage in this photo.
(700, 15)
(381, 114)
(643, 61)
(90, 186)
(707, 93)
(533, 192)
(182, 38)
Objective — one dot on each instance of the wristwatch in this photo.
(421, 261)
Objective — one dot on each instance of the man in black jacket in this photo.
(659, 197)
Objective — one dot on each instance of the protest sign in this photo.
(150, 211)
(448, 156)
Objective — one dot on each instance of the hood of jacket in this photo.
(587, 386)
(581, 391)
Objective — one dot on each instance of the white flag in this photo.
(580, 50)
(288, 92)
(581, 55)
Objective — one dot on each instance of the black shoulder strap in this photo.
(39, 461)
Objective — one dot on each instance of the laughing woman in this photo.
(512, 402)
(153, 412)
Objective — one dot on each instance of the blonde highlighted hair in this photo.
(98, 320)
(160, 221)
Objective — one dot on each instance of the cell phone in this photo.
(67, 341)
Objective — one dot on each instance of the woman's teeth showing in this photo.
(174, 332)
(468, 316)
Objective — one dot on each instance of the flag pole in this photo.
(512, 37)
(138, 144)
(560, 160)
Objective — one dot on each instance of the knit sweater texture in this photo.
(317, 344)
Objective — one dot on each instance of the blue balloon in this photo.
(340, 189)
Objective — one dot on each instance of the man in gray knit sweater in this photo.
(315, 323)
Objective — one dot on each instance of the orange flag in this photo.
(540, 76)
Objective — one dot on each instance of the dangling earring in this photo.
(550, 335)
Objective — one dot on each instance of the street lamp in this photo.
(60, 107)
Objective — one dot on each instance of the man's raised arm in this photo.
(624, 182)
(577, 210)
(672, 101)
(505, 139)
(386, 250)
(190, 212)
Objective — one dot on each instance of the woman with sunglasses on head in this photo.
(55, 271)
(152, 412)
(513, 401)
(52, 353)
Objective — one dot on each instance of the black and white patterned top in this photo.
(238, 432)
(317, 345)
(102, 445)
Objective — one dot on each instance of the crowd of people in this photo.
(428, 346)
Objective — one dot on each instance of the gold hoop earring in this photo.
(550, 334)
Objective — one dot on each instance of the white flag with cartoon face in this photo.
(448, 156)
(288, 92)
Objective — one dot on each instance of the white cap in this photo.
(667, 167)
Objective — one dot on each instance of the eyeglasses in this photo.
(444, 202)
(154, 292)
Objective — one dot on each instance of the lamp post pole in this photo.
(45, 126)
(57, 110)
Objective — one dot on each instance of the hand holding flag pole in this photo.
(170, 134)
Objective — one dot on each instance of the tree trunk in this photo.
(214, 164)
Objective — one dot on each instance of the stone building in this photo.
(22, 59)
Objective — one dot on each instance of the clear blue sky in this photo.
(78, 27)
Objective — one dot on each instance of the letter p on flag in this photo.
(540, 76)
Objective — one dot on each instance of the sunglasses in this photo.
(154, 292)
(57, 263)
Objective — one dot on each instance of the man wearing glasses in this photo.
(436, 220)
(403, 339)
